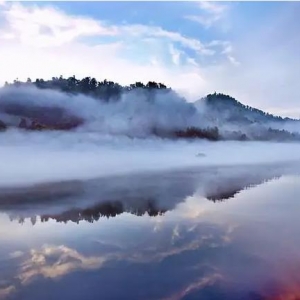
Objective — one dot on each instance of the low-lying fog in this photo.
(31, 157)
(99, 148)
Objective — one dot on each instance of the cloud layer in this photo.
(34, 36)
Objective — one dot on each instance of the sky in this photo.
(249, 50)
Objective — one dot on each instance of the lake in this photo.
(198, 233)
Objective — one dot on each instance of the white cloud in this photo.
(233, 60)
(157, 32)
(203, 20)
(56, 261)
(48, 26)
(175, 55)
(16, 254)
(244, 67)
(215, 8)
(101, 62)
(43, 42)
(209, 13)
(175, 233)
(225, 48)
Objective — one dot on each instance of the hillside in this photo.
(227, 109)
(136, 110)
(238, 121)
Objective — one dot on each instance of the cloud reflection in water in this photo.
(162, 243)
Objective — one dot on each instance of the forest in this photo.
(103, 90)
(229, 118)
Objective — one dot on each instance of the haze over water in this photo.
(195, 233)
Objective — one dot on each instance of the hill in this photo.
(238, 121)
(136, 110)
(228, 109)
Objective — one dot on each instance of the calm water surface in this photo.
(215, 233)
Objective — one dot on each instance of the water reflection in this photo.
(215, 233)
(151, 193)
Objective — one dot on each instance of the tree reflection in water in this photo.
(150, 194)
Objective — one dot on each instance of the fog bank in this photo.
(114, 137)
(136, 114)
(34, 157)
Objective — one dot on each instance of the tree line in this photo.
(104, 90)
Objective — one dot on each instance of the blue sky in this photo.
(249, 50)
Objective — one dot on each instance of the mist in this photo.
(28, 158)
(133, 115)
(115, 138)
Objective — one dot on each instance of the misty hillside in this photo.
(224, 108)
(136, 110)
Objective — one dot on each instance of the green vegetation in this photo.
(103, 90)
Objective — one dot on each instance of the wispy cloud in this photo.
(215, 8)
(225, 48)
(48, 26)
(32, 36)
(16, 254)
(38, 40)
(209, 13)
(233, 60)
(175, 55)
(64, 261)
(197, 285)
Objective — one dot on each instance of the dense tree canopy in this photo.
(104, 90)
(221, 102)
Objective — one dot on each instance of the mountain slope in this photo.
(139, 111)
(223, 108)
(236, 121)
